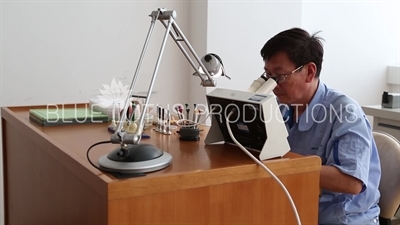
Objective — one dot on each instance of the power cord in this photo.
(264, 167)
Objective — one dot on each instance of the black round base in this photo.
(141, 158)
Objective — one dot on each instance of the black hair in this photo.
(299, 45)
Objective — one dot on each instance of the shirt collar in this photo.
(308, 117)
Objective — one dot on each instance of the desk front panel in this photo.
(250, 202)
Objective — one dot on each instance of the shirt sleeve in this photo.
(351, 141)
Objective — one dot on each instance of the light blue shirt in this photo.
(335, 128)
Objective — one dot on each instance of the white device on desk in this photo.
(257, 120)
(390, 100)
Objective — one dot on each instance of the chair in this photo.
(389, 153)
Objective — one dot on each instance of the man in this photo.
(323, 122)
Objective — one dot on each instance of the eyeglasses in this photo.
(280, 78)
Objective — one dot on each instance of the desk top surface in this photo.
(193, 158)
(379, 111)
(382, 108)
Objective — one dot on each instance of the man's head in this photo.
(294, 57)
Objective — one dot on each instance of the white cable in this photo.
(264, 167)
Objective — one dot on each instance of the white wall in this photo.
(361, 40)
(198, 39)
(236, 31)
(65, 51)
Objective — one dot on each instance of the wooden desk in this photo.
(385, 119)
(48, 181)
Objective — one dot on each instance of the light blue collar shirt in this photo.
(335, 128)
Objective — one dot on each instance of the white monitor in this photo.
(257, 123)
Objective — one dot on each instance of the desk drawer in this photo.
(391, 127)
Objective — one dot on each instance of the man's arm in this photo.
(333, 179)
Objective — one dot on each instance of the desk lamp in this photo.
(135, 158)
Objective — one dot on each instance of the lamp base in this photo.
(135, 159)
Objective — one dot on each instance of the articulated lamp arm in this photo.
(208, 68)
